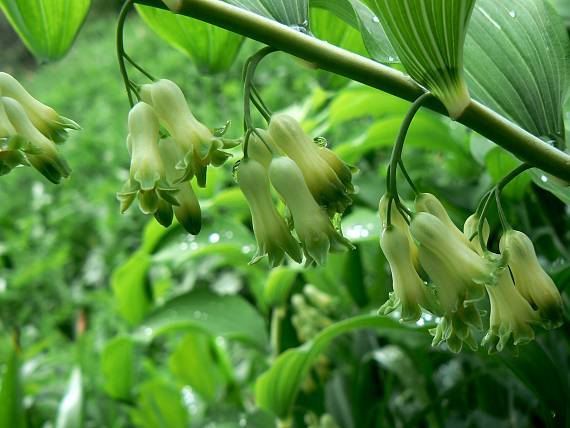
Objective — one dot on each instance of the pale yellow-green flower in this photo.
(531, 280)
(40, 151)
(327, 177)
(271, 232)
(410, 294)
(312, 225)
(45, 119)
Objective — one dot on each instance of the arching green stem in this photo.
(121, 47)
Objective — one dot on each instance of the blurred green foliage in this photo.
(122, 323)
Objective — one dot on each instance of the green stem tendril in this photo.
(408, 178)
(392, 190)
(138, 67)
(504, 223)
(512, 175)
(121, 48)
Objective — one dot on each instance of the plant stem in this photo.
(512, 175)
(121, 47)
(476, 116)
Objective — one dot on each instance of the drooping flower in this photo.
(456, 328)
(511, 316)
(458, 272)
(429, 37)
(410, 293)
(271, 232)
(50, 123)
(40, 152)
(259, 149)
(312, 225)
(327, 177)
(428, 203)
(187, 212)
(199, 145)
(6, 128)
(147, 177)
(531, 280)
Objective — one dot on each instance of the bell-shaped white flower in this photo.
(410, 293)
(41, 152)
(456, 328)
(271, 232)
(458, 272)
(45, 119)
(6, 128)
(318, 165)
(511, 316)
(312, 224)
(531, 280)
(147, 174)
(199, 145)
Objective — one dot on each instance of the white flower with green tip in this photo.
(533, 283)
(45, 119)
(312, 224)
(271, 232)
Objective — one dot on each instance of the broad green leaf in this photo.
(428, 37)
(552, 184)
(11, 392)
(356, 14)
(330, 28)
(563, 8)
(194, 363)
(202, 310)
(117, 367)
(517, 62)
(294, 13)
(361, 225)
(70, 412)
(47, 27)
(160, 405)
(212, 49)
(129, 284)
(278, 285)
(277, 388)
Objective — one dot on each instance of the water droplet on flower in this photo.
(420, 322)
(391, 59)
(214, 238)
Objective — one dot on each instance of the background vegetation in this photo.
(122, 323)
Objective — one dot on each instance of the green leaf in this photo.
(70, 412)
(213, 49)
(553, 185)
(277, 388)
(517, 62)
(356, 14)
(202, 310)
(361, 225)
(11, 393)
(563, 8)
(294, 13)
(499, 164)
(129, 284)
(278, 285)
(194, 363)
(429, 38)
(47, 27)
(117, 367)
(160, 405)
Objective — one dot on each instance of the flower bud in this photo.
(532, 282)
(187, 212)
(258, 150)
(428, 203)
(41, 152)
(147, 173)
(319, 167)
(44, 118)
(197, 142)
(410, 294)
(271, 231)
(313, 227)
(470, 231)
(6, 128)
(511, 315)
(10, 159)
(457, 270)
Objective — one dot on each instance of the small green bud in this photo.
(410, 294)
(319, 165)
(271, 231)
(44, 118)
(470, 231)
(458, 272)
(41, 152)
(511, 316)
(531, 280)
(313, 227)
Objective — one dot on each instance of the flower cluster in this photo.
(30, 132)
(311, 180)
(458, 273)
(162, 168)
